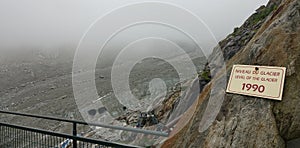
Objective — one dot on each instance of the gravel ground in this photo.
(39, 83)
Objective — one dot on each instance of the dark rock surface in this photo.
(243, 34)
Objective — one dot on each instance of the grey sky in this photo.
(63, 22)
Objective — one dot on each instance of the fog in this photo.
(53, 24)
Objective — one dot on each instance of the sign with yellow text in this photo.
(258, 81)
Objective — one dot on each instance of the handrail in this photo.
(157, 133)
(101, 142)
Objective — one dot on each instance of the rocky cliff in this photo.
(269, 37)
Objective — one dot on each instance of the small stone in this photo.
(63, 97)
(231, 43)
(52, 87)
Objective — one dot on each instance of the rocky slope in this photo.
(245, 121)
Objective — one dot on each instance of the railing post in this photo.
(74, 134)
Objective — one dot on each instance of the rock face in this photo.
(242, 35)
(245, 121)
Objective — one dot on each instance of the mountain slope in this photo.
(251, 121)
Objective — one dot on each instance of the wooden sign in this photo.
(258, 81)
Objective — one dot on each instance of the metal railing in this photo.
(14, 136)
(27, 137)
